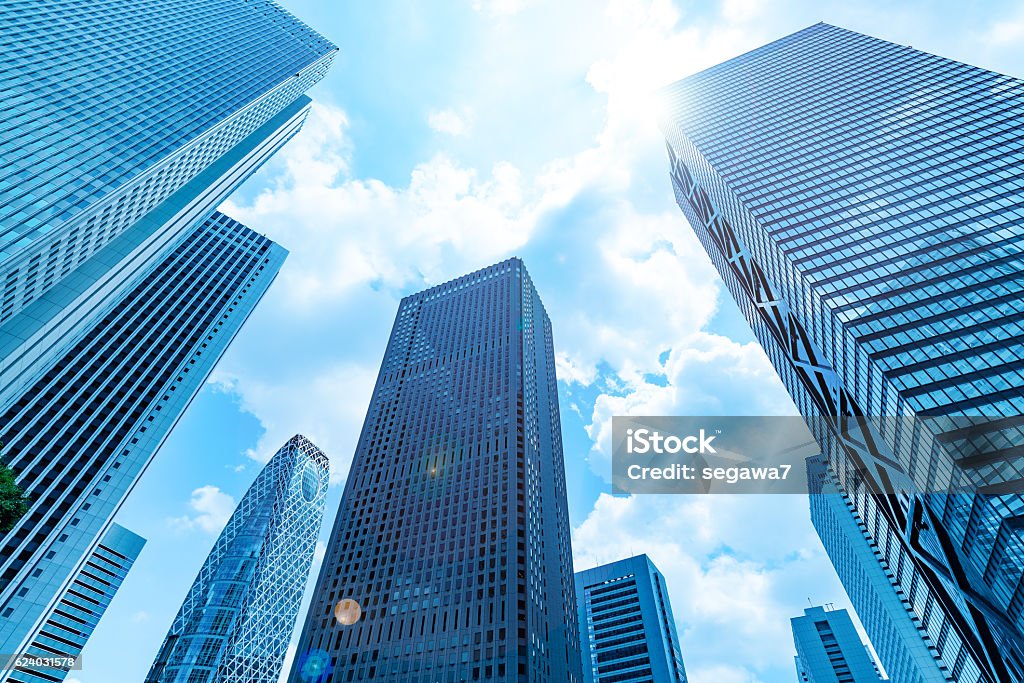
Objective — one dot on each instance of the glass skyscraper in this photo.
(450, 559)
(902, 643)
(239, 614)
(828, 649)
(861, 201)
(82, 604)
(82, 433)
(124, 124)
(627, 631)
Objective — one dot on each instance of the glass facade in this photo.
(627, 631)
(81, 605)
(82, 433)
(828, 649)
(897, 635)
(125, 123)
(112, 106)
(860, 201)
(452, 536)
(123, 112)
(238, 617)
(32, 339)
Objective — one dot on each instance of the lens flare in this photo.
(347, 612)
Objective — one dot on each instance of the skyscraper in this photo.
(627, 631)
(81, 434)
(123, 112)
(449, 559)
(82, 604)
(125, 124)
(236, 621)
(902, 643)
(828, 649)
(858, 199)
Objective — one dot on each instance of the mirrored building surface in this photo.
(125, 124)
(860, 202)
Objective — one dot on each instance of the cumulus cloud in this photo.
(210, 510)
(450, 122)
(599, 212)
(704, 374)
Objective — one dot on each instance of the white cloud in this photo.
(345, 233)
(1009, 31)
(211, 508)
(705, 374)
(499, 8)
(742, 10)
(450, 122)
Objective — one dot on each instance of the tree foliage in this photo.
(13, 503)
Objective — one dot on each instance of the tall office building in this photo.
(125, 123)
(860, 201)
(81, 605)
(80, 435)
(627, 631)
(899, 638)
(829, 650)
(239, 614)
(452, 536)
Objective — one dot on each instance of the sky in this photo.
(449, 136)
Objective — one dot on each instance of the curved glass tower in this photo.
(238, 616)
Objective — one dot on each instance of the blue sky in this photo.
(449, 136)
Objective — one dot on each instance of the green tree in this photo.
(13, 503)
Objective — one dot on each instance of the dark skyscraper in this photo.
(627, 631)
(83, 432)
(863, 204)
(452, 536)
